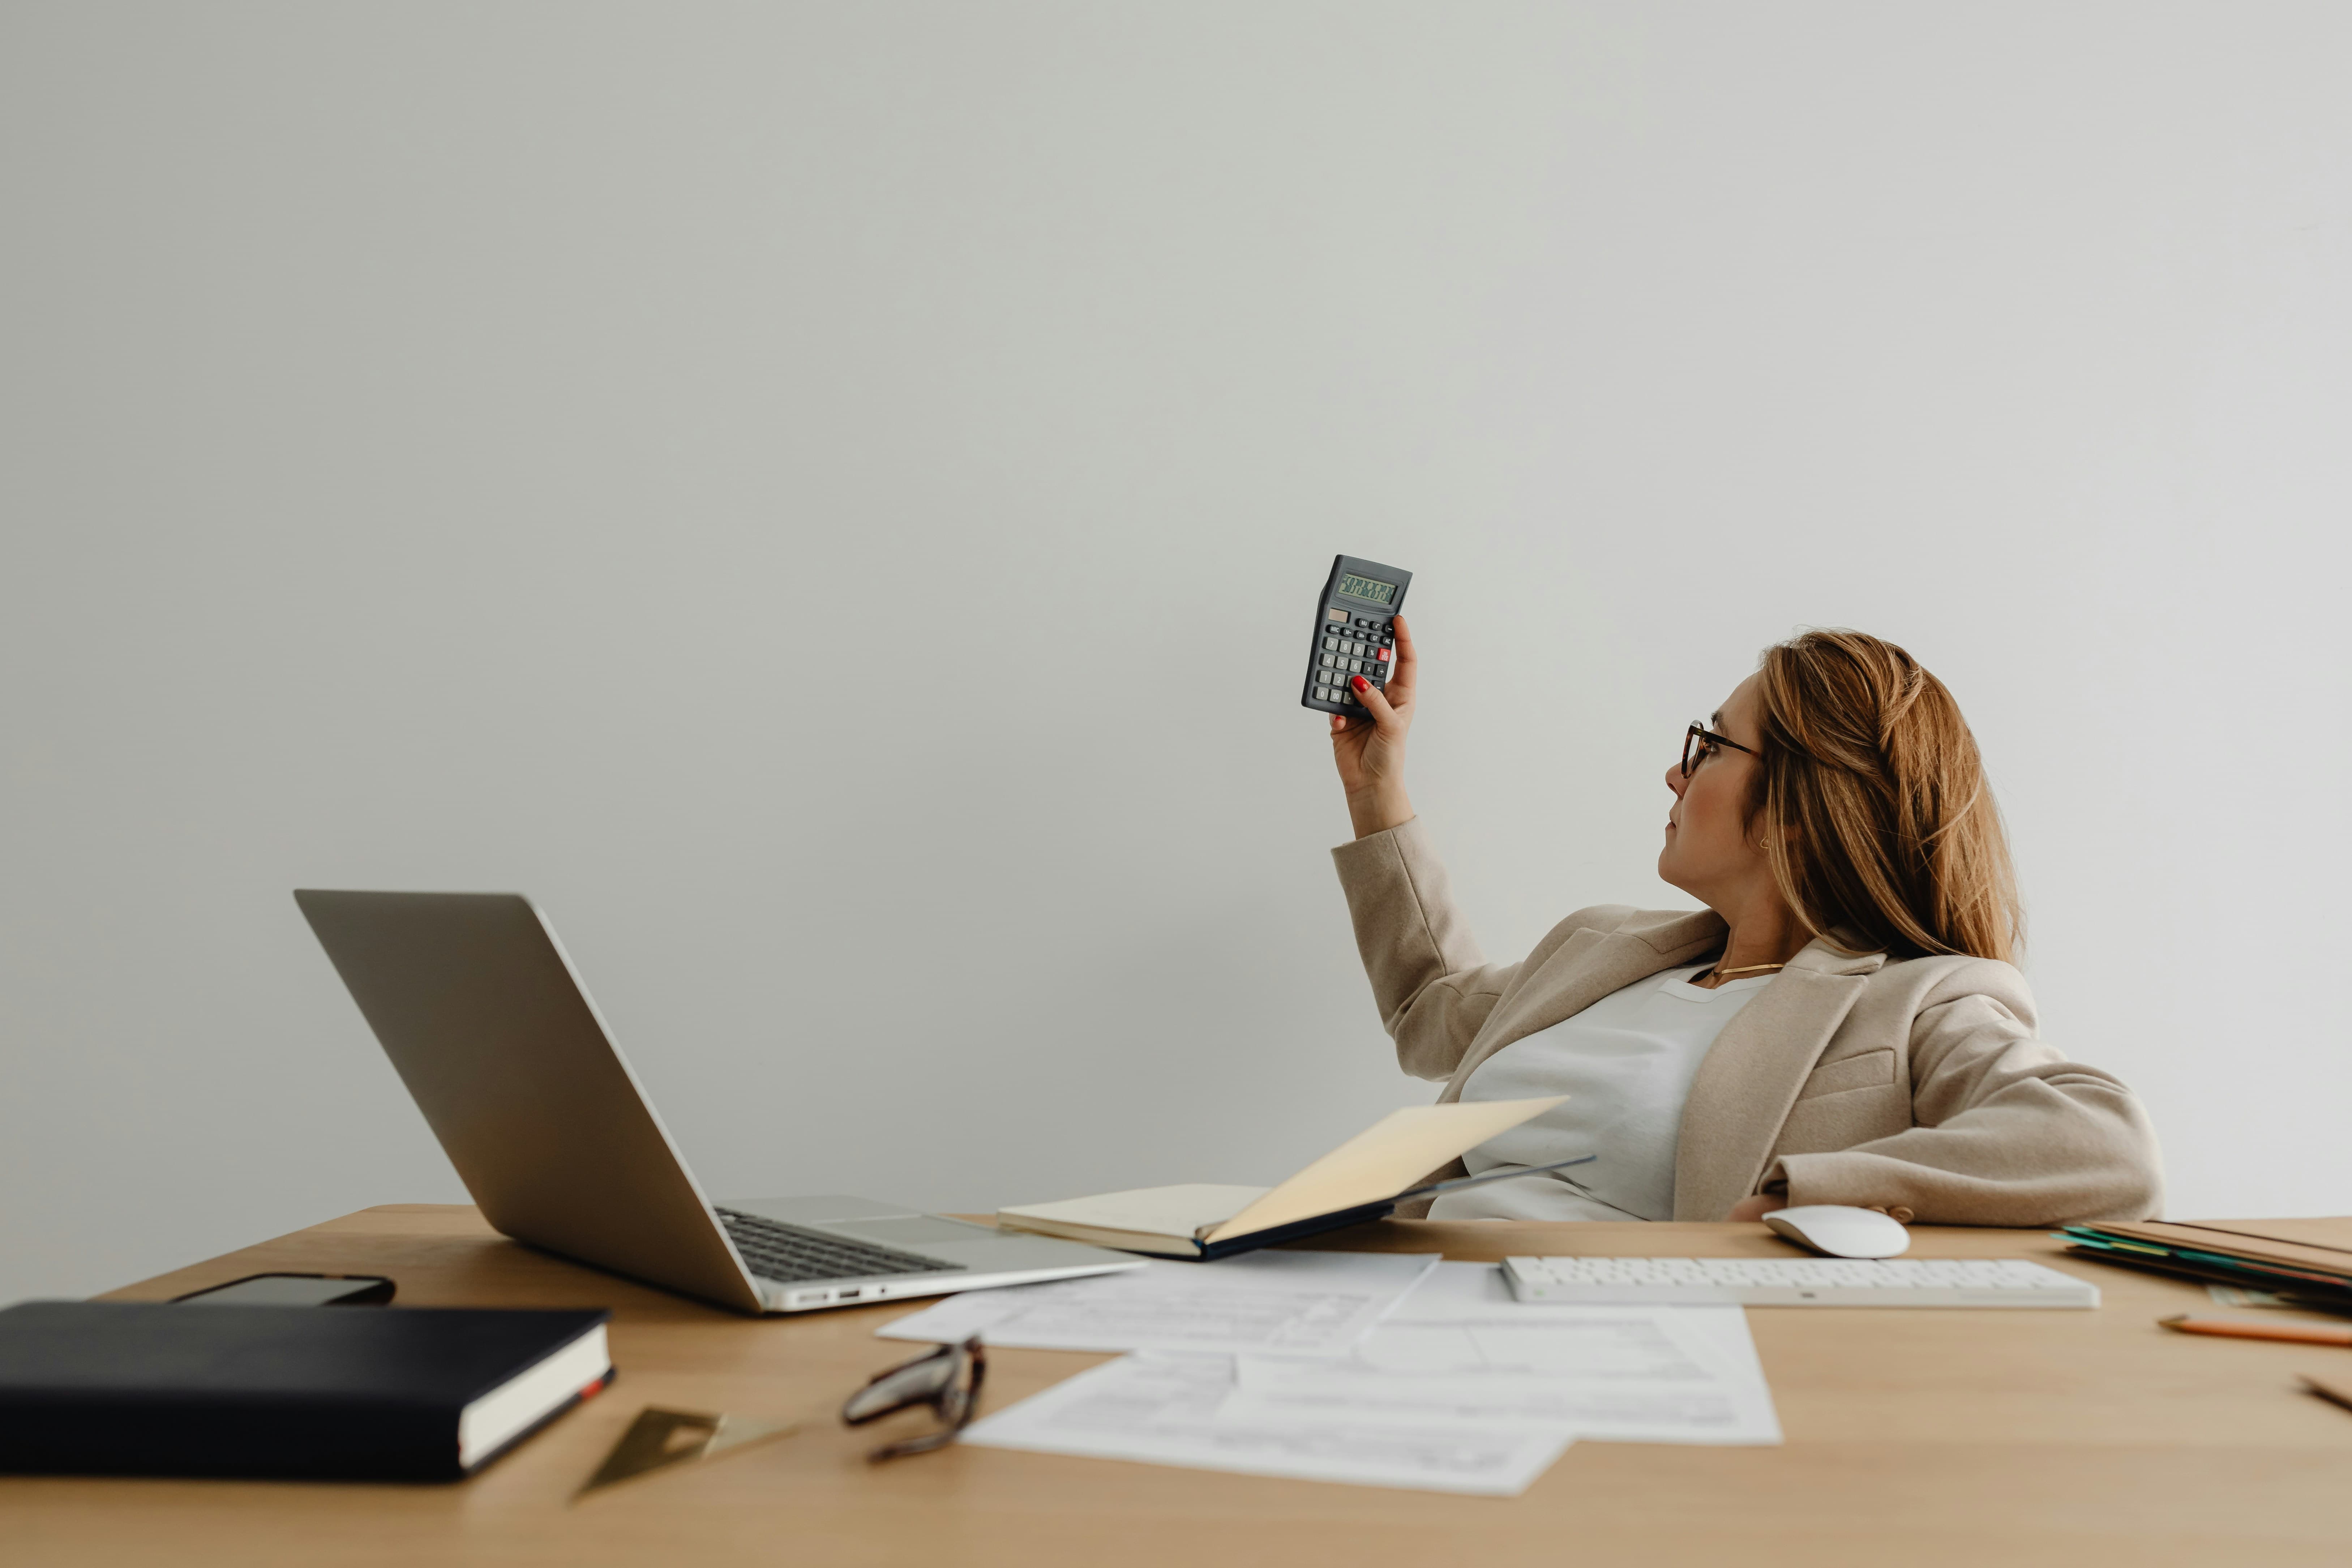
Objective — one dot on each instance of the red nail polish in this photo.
(1361, 683)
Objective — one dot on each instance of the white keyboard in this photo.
(1797, 1281)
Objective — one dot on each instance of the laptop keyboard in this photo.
(790, 1252)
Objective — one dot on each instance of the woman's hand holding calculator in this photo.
(1370, 749)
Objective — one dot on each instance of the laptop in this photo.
(486, 1021)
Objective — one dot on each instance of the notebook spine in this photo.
(286, 1438)
(1296, 1230)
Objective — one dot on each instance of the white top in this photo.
(1626, 1065)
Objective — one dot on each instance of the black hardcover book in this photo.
(364, 1393)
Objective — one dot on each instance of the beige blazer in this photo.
(1916, 1084)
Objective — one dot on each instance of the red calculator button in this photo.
(1383, 655)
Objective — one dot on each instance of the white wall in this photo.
(827, 497)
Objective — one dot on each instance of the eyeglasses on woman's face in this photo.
(1699, 742)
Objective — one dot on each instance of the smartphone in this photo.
(296, 1290)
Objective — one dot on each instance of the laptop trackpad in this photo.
(911, 1232)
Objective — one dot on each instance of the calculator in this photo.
(1352, 634)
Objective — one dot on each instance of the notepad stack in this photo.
(2310, 1259)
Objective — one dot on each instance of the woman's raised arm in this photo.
(1369, 749)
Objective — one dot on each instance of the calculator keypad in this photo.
(1352, 646)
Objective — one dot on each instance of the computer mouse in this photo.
(1840, 1231)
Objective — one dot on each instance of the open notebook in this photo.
(1363, 1179)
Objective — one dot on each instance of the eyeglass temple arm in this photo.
(970, 1349)
(1458, 1182)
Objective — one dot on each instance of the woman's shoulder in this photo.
(1665, 930)
(1943, 978)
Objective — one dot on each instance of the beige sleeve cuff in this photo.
(1403, 841)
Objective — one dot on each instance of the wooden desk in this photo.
(1915, 1437)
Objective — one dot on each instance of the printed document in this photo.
(1179, 1410)
(1286, 1303)
(1459, 1349)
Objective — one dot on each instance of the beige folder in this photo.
(2319, 1246)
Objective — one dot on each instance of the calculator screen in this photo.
(1365, 588)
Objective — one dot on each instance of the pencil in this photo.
(2237, 1328)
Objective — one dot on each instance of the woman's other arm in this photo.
(2009, 1132)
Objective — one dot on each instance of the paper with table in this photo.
(1290, 1303)
(1376, 1369)
(1174, 1410)
(1461, 1349)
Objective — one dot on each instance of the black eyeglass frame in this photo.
(1698, 734)
(952, 1397)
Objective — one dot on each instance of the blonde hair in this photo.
(1879, 826)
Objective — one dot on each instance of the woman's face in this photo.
(1709, 852)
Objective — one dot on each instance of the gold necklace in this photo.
(1743, 968)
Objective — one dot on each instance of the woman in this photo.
(1841, 1025)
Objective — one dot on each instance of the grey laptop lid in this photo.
(484, 1021)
